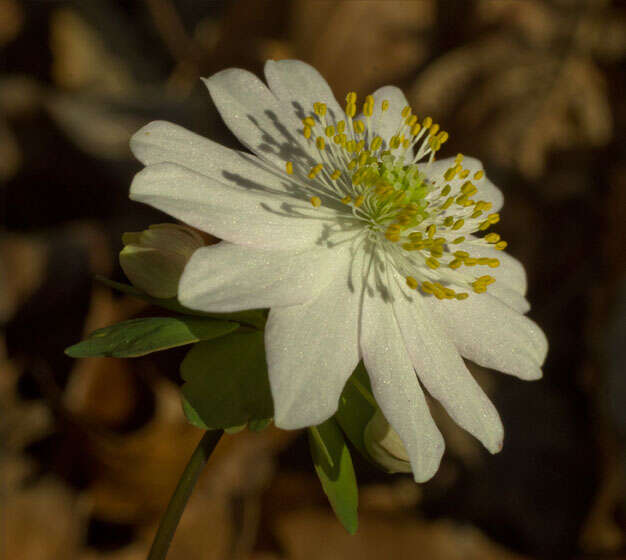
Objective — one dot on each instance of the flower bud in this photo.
(154, 259)
(385, 446)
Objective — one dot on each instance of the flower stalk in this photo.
(178, 501)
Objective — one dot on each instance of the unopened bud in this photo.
(154, 259)
(385, 446)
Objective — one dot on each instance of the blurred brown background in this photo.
(90, 450)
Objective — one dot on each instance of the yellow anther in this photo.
(501, 245)
(385, 105)
(463, 174)
(415, 236)
(406, 143)
(315, 170)
(494, 263)
(483, 205)
(360, 145)
(427, 122)
(316, 201)
(461, 296)
(492, 238)
(462, 254)
(394, 142)
(430, 230)
(484, 261)
(329, 131)
(336, 174)
(289, 167)
(320, 142)
(359, 127)
(351, 97)
(415, 129)
(309, 121)
(411, 282)
(470, 261)
(458, 224)
(458, 158)
(455, 263)
(432, 262)
(363, 158)
(451, 172)
(468, 188)
(319, 109)
(368, 106)
(427, 287)
(443, 137)
(351, 109)
(479, 175)
(352, 164)
(406, 112)
(411, 120)
(376, 143)
(448, 221)
(359, 200)
(462, 199)
(434, 129)
(476, 214)
(307, 132)
(484, 225)
(459, 240)
(493, 218)
(447, 203)
(346, 199)
(445, 191)
(341, 126)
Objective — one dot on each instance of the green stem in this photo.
(179, 498)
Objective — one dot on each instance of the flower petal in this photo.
(487, 191)
(386, 123)
(492, 335)
(227, 277)
(257, 118)
(396, 388)
(299, 86)
(161, 141)
(312, 349)
(442, 370)
(236, 214)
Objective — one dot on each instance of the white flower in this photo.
(361, 244)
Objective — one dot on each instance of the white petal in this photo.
(396, 388)
(227, 277)
(487, 191)
(312, 350)
(386, 124)
(236, 214)
(260, 121)
(492, 335)
(442, 370)
(299, 86)
(161, 141)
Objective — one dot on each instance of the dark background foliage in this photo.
(90, 450)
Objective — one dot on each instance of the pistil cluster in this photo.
(419, 219)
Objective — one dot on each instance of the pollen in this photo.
(316, 201)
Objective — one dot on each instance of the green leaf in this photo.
(356, 408)
(226, 382)
(333, 464)
(254, 318)
(139, 337)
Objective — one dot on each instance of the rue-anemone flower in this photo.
(361, 243)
